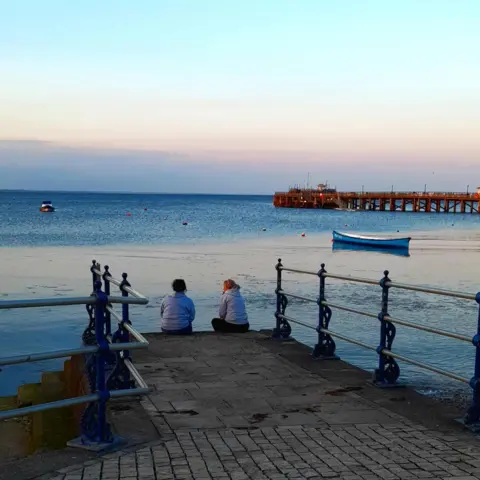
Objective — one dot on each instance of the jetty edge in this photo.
(245, 406)
(259, 401)
(324, 197)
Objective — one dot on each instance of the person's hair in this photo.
(179, 285)
(229, 284)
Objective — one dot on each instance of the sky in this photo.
(228, 96)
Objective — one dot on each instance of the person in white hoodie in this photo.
(177, 311)
(232, 314)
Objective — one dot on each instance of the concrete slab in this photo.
(244, 407)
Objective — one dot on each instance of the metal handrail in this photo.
(402, 286)
(385, 352)
(66, 301)
(118, 283)
(395, 320)
(388, 370)
(118, 343)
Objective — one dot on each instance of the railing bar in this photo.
(137, 335)
(443, 333)
(425, 366)
(19, 412)
(294, 270)
(404, 286)
(46, 302)
(293, 320)
(128, 300)
(297, 296)
(348, 309)
(114, 313)
(349, 278)
(109, 278)
(435, 291)
(405, 323)
(349, 340)
(58, 302)
(37, 357)
(133, 292)
(135, 374)
(118, 283)
(128, 346)
(129, 392)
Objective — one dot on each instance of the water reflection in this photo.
(402, 252)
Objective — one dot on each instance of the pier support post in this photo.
(282, 328)
(325, 347)
(388, 371)
(472, 417)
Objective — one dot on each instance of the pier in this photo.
(426, 202)
(258, 405)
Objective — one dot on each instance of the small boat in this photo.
(377, 242)
(47, 206)
(351, 247)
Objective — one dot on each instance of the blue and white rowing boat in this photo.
(377, 242)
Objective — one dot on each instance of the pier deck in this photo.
(427, 202)
(244, 406)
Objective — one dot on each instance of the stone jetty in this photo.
(247, 407)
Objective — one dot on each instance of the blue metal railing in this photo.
(109, 368)
(388, 370)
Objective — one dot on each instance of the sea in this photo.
(208, 238)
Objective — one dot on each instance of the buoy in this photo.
(303, 234)
(145, 209)
(129, 214)
(185, 223)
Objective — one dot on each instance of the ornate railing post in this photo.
(282, 328)
(103, 429)
(124, 335)
(388, 370)
(96, 433)
(473, 414)
(95, 276)
(108, 316)
(325, 347)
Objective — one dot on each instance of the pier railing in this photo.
(388, 371)
(106, 351)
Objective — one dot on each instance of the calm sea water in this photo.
(102, 219)
(96, 219)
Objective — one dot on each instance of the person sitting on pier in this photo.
(177, 311)
(233, 316)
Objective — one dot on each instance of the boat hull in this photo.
(402, 243)
(351, 247)
(47, 209)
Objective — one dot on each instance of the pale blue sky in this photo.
(327, 83)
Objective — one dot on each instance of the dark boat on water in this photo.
(47, 206)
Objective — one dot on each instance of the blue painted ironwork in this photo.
(282, 328)
(120, 377)
(94, 425)
(473, 413)
(108, 316)
(325, 347)
(388, 370)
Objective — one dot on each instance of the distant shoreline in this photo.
(115, 192)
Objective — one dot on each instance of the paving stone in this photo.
(228, 408)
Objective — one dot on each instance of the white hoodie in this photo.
(232, 307)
